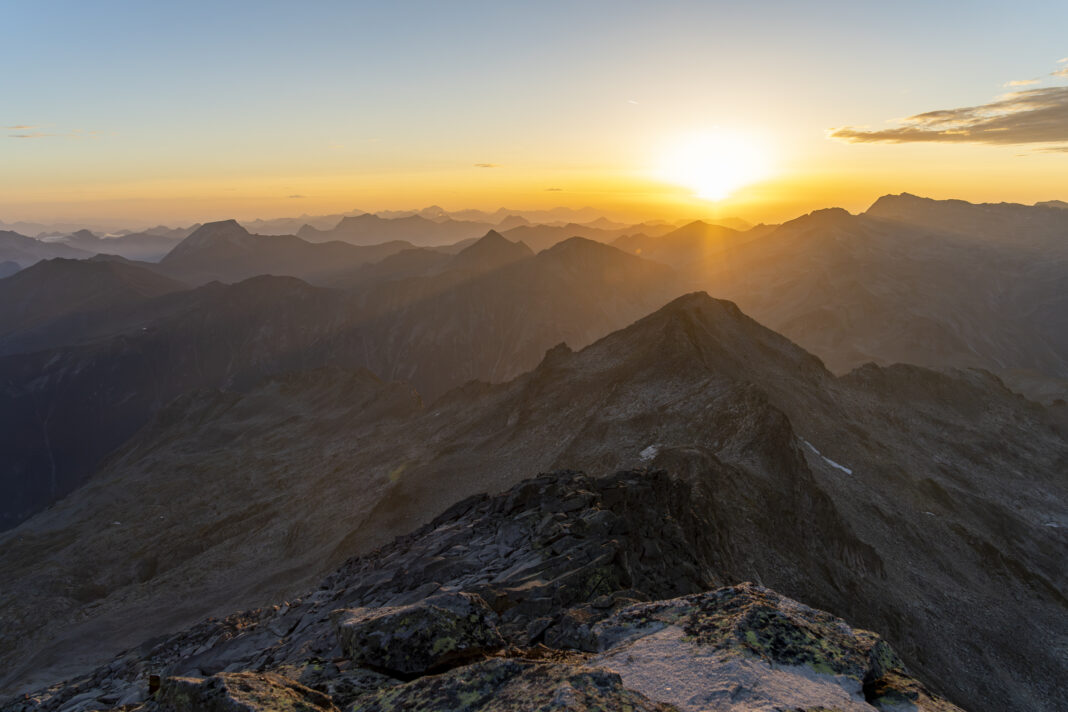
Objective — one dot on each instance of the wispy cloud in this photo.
(487, 165)
(26, 133)
(1021, 82)
(1029, 116)
(1060, 73)
(295, 197)
(554, 190)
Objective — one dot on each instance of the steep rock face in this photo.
(563, 561)
(928, 506)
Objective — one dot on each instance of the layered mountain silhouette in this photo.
(370, 229)
(149, 245)
(690, 244)
(897, 284)
(78, 387)
(924, 505)
(226, 252)
(25, 251)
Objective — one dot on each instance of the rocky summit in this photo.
(566, 592)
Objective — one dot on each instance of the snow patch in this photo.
(826, 459)
(649, 453)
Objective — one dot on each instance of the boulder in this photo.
(434, 634)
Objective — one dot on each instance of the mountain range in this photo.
(880, 496)
(842, 428)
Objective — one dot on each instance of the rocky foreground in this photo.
(564, 593)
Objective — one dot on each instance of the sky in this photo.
(153, 112)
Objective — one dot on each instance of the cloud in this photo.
(554, 190)
(1060, 73)
(295, 197)
(31, 135)
(1021, 82)
(19, 127)
(487, 165)
(1029, 116)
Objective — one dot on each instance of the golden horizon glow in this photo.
(715, 163)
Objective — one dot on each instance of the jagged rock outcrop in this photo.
(432, 634)
(544, 595)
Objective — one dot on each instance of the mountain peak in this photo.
(823, 219)
(491, 250)
(213, 233)
(720, 336)
(217, 229)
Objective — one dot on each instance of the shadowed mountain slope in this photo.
(928, 506)
(54, 288)
(65, 407)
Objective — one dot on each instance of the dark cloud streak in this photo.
(1031, 116)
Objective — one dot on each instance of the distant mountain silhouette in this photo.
(491, 251)
(912, 280)
(25, 251)
(1060, 204)
(418, 230)
(150, 246)
(1021, 226)
(686, 245)
(226, 252)
(8, 268)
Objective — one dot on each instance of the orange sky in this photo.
(199, 112)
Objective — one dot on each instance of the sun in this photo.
(714, 164)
